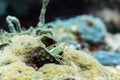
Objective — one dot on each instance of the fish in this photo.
(56, 48)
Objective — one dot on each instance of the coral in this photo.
(59, 72)
(46, 50)
(89, 67)
(66, 34)
(89, 27)
(3, 37)
(18, 71)
(11, 20)
(25, 50)
(112, 41)
(21, 45)
(7, 58)
(115, 71)
(108, 58)
(25, 42)
(118, 67)
(83, 66)
(65, 28)
(42, 14)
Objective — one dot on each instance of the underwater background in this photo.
(28, 10)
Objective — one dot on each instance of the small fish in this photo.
(41, 56)
(56, 48)
(51, 54)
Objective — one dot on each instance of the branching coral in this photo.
(43, 10)
(11, 20)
